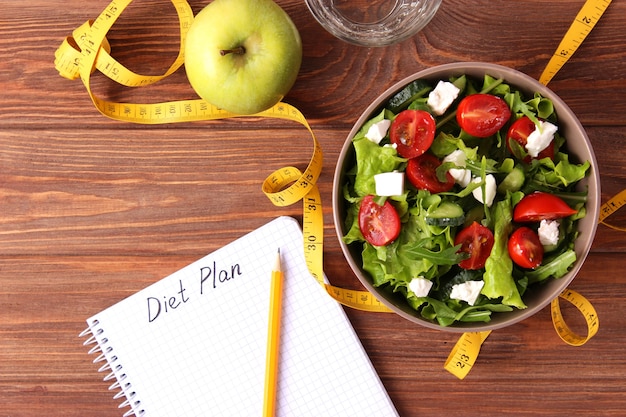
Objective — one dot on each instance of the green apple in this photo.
(242, 56)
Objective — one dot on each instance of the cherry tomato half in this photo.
(421, 172)
(518, 132)
(541, 206)
(525, 249)
(477, 240)
(379, 225)
(413, 131)
(482, 115)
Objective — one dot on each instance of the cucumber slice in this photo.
(513, 180)
(404, 97)
(475, 214)
(446, 214)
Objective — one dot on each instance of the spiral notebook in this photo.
(193, 343)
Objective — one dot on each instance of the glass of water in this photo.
(373, 23)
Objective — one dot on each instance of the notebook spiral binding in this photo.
(115, 370)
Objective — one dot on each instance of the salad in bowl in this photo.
(466, 197)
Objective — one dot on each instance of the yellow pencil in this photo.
(273, 340)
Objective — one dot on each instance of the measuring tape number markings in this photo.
(615, 203)
(583, 23)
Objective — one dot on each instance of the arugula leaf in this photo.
(445, 256)
(555, 268)
(481, 312)
(438, 310)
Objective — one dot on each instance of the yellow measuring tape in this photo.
(88, 49)
(466, 350)
(313, 231)
(585, 20)
(464, 353)
(588, 312)
(610, 207)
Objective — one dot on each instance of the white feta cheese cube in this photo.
(490, 190)
(442, 97)
(461, 176)
(420, 286)
(457, 157)
(548, 232)
(540, 138)
(389, 183)
(378, 130)
(467, 291)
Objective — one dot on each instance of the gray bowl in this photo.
(536, 297)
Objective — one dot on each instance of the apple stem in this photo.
(240, 50)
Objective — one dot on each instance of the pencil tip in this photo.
(277, 266)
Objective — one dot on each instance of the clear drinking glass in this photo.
(374, 22)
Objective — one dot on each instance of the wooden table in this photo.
(92, 210)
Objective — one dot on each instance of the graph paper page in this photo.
(194, 343)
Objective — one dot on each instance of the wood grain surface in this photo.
(93, 210)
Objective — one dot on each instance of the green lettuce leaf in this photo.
(372, 159)
(498, 275)
(563, 172)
